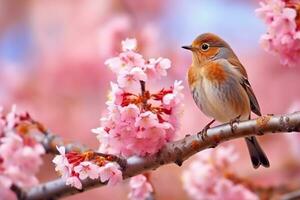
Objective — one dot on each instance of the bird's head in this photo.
(208, 47)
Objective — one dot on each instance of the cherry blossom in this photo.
(138, 121)
(111, 173)
(87, 169)
(140, 188)
(283, 35)
(77, 166)
(207, 177)
(20, 153)
(128, 79)
(157, 68)
(62, 163)
(147, 120)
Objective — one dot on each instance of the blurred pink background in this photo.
(51, 64)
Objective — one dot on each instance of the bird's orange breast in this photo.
(211, 71)
(193, 75)
(214, 72)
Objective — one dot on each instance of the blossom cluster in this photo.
(77, 166)
(141, 189)
(20, 153)
(138, 121)
(209, 177)
(283, 29)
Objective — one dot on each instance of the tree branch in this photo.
(50, 141)
(178, 151)
(291, 196)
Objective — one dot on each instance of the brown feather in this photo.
(235, 62)
(214, 72)
(253, 101)
(192, 76)
(246, 85)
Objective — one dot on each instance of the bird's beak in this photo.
(188, 47)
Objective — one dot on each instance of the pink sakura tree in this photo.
(138, 131)
(136, 134)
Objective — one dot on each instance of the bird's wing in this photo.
(253, 101)
(238, 65)
(246, 85)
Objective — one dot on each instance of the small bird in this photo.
(220, 87)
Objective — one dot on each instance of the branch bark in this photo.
(291, 196)
(50, 141)
(178, 151)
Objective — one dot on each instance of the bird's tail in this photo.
(257, 155)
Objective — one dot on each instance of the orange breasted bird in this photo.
(220, 87)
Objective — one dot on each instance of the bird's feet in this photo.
(235, 120)
(203, 132)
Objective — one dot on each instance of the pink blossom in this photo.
(20, 178)
(132, 59)
(9, 145)
(131, 78)
(156, 68)
(141, 135)
(174, 98)
(20, 161)
(29, 158)
(77, 166)
(74, 182)
(111, 173)
(11, 118)
(206, 178)
(87, 169)
(139, 123)
(116, 94)
(115, 64)
(147, 120)
(282, 37)
(128, 65)
(128, 60)
(61, 162)
(140, 188)
(129, 112)
(129, 44)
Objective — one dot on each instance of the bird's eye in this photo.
(205, 47)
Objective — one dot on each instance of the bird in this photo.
(220, 87)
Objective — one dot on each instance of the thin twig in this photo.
(143, 87)
(178, 151)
